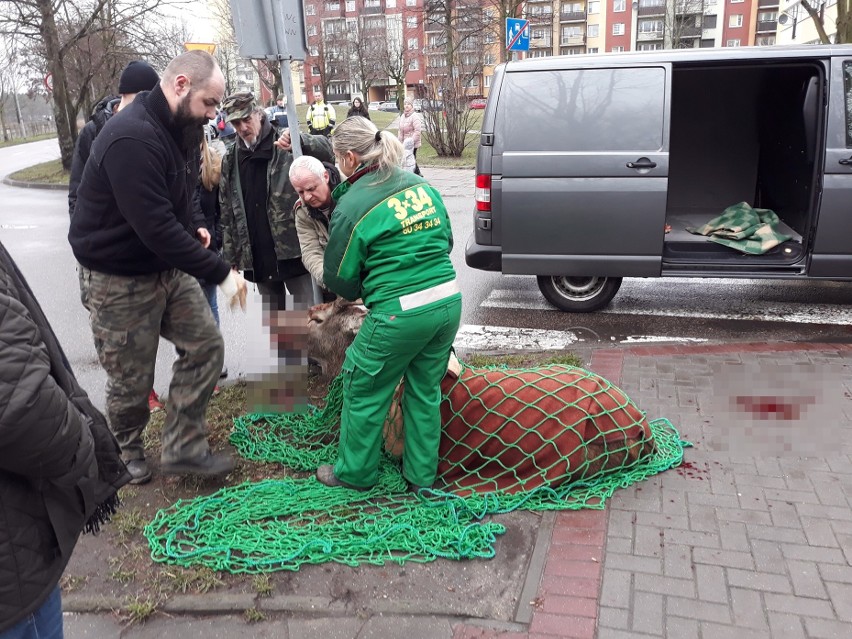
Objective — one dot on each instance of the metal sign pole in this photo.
(292, 116)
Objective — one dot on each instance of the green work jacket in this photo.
(390, 236)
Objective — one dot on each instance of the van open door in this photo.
(832, 248)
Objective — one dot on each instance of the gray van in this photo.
(591, 168)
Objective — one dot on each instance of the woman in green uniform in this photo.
(389, 244)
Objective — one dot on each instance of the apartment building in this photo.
(567, 27)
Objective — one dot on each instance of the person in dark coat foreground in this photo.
(60, 467)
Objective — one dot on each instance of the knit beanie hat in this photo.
(137, 76)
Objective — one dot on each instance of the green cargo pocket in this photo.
(360, 373)
(110, 345)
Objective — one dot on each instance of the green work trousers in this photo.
(413, 345)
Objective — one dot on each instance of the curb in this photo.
(34, 185)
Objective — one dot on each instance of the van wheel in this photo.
(578, 294)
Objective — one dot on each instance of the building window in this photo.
(312, 29)
(537, 34)
(617, 49)
(310, 10)
(350, 6)
(332, 6)
(593, 30)
(412, 44)
(411, 22)
(619, 5)
(572, 7)
(736, 20)
(732, 43)
(651, 26)
(594, 6)
(767, 16)
(410, 3)
(390, 4)
(618, 28)
(315, 70)
(650, 46)
(486, 81)
(317, 88)
(490, 58)
(414, 65)
(736, 1)
(765, 41)
(314, 51)
(489, 38)
(592, 50)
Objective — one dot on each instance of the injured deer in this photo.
(506, 429)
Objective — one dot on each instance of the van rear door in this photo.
(582, 153)
(832, 248)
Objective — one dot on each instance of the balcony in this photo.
(434, 25)
(645, 12)
(649, 36)
(689, 32)
(546, 41)
(572, 16)
(767, 26)
(372, 10)
(540, 18)
(573, 41)
(767, 4)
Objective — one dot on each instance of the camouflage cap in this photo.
(239, 105)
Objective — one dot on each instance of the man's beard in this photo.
(191, 128)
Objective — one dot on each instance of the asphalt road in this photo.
(500, 313)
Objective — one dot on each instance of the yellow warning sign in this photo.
(209, 47)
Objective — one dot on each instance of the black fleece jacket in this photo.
(134, 206)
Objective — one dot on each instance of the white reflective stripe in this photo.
(429, 295)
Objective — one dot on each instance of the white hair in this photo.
(307, 163)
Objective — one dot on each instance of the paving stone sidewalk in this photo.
(748, 538)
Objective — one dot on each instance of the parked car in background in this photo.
(389, 106)
(373, 106)
(478, 103)
(430, 105)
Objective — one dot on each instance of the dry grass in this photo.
(44, 173)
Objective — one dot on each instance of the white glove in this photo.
(235, 290)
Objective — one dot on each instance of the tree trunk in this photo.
(817, 20)
(65, 128)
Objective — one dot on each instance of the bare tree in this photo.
(457, 32)
(394, 57)
(334, 52)
(502, 10)
(843, 21)
(366, 52)
(76, 33)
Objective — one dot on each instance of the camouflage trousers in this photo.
(128, 315)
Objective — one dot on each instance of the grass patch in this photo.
(196, 580)
(139, 609)
(262, 585)
(70, 583)
(522, 360)
(253, 615)
(44, 173)
(127, 522)
(33, 138)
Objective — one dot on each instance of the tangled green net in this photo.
(285, 523)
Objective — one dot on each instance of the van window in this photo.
(847, 91)
(584, 110)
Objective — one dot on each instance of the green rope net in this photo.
(552, 438)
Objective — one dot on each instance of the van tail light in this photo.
(483, 192)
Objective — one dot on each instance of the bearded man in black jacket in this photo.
(132, 235)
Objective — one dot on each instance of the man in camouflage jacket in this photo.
(259, 229)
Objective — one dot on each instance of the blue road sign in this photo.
(517, 34)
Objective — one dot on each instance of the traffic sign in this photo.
(517, 34)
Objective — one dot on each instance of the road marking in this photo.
(737, 309)
(507, 338)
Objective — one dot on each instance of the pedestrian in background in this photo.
(321, 117)
(138, 260)
(358, 108)
(389, 244)
(60, 467)
(410, 126)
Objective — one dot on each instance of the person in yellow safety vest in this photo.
(321, 117)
